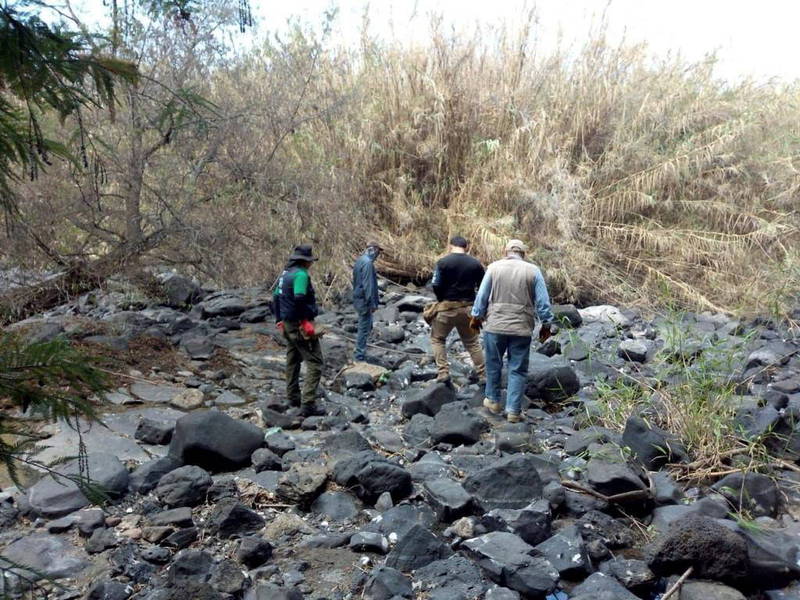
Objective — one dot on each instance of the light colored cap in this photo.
(516, 246)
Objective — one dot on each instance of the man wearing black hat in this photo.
(365, 295)
(295, 307)
(455, 281)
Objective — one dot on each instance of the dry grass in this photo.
(699, 407)
(635, 180)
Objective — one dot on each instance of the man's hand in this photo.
(307, 329)
(279, 325)
(544, 333)
(475, 323)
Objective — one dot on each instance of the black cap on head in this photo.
(458, 241)
(303, 252)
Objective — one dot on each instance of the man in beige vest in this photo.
(512, 294)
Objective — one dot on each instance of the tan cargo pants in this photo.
(441, 326)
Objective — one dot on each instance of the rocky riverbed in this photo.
(217, 489)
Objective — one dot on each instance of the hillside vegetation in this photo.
(635, 180)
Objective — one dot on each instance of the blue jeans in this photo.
(364, 329)
(518, 347)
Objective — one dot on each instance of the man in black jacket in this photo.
(295, 307)
(455, 282)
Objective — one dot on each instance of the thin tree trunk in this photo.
(135, 178)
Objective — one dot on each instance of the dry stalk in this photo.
(677, 585)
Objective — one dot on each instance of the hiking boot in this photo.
(513, 417)
(492, 407)
(311, 409)
(445, 379)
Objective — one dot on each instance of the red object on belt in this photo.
(307, 327)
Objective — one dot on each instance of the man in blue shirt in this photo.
(365, 295)
(513, 292)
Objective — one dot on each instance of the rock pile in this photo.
(216, 488)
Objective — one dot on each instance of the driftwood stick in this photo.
(677, 585)
(632, 495)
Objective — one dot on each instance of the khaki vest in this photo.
(511, 303)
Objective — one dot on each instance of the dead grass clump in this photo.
(637, 180)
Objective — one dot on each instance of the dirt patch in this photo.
(221, 360)
(329, 570)
(144, 353)
(265, 343)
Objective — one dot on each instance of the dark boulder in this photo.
(457, 424)
(417, 433)
(56, 496)
(598, 527)
(532, 523)
(399, 520)
(185, 486)
(552, 383)
(302, 483)
(108, 590)
(190, 565)
(279, 443)
(773, 554)
(509, 561)
(651, 446)
(417, 548)
(345, 443)
(567, 552)
(752, 492)
(222, 305)
(634, 574)
(601, 587)
(177, 517)
(510, 482)
(567, 315)
(230, 518)
(151, 431)
(145, 478)
(180, 291)
(336, 506)
(708, 590)
(448, 499)
(369, 475)
(40, 555)
(453, 577)
(714, 551)
(385, 583)
(253, 551)
(369, 541)
(265, 459)
(612, 478)
(428, 401)
(215, 441)
(227, 577)
(633, 350)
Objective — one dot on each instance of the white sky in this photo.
(753, 38)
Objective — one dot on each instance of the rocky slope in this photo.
(407, 488)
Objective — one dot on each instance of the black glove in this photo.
(544, 333)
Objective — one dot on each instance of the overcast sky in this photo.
(755, 38)
(752, 38)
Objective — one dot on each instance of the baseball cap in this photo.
(516, 245)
